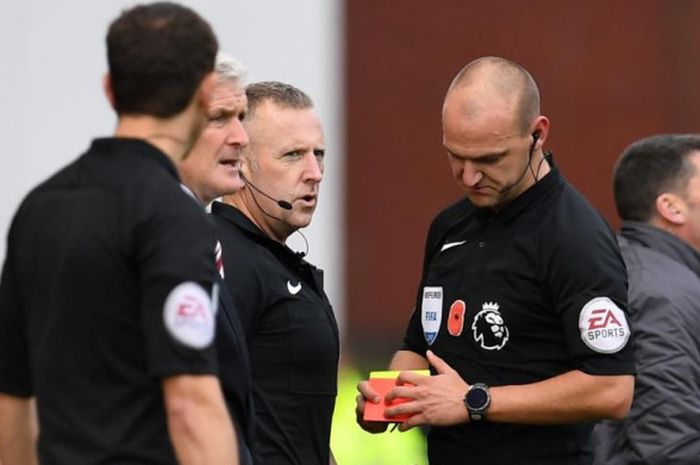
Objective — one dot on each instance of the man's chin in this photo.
(233, 184)
(299, 221)
(237, 186)
(483, 201)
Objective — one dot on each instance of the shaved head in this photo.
(490, 81)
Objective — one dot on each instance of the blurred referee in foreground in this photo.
(106, 313)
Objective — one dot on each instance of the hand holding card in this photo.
(382, 382)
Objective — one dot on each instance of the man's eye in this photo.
(220, 117)
(319, 153)
(293, 154)
(490, 160)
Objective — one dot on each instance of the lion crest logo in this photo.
(489, 329)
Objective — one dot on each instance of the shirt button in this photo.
(482, 245)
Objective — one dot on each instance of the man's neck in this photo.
(173, 136)
(270, 224)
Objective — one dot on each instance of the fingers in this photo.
(409, 377)
(416, 420)
(440, 365)
(369, 426)
(360, 405)
(368, 393)
(406, 408)
(400, 391)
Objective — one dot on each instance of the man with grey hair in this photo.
(211, 168)
(520, 312)
(289, 324)
(657, 193)
(209, 171)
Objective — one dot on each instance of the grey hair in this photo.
(228, 68)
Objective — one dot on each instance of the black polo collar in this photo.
(139, 147)
(236, 217)
(535, 194)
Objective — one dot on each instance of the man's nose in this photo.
(470, 175)
(237, 134)
(314, 168)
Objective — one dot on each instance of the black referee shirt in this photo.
(292, 339)
(519, 296)
(105, 290)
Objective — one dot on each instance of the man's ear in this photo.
(107, 88)
(671, 208)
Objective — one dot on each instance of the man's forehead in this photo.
(228, 89)
(492, 123)
(286, 117)
(487, 133)
(476, 101)
(287, 126)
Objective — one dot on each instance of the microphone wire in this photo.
(300, 254)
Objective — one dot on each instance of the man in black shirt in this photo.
(289, 324)
(521, 311)
(106, 314)
(210, 170)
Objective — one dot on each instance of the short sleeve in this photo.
(588, 282)
(414, 340)
(175, 254)
(15, 377)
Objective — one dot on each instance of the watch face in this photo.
(477, 398)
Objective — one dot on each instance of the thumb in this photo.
(440, 365)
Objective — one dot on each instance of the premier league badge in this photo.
(489, 328)
(431, 312)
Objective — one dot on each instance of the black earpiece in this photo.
(535, 137)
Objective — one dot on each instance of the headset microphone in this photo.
(281, 203)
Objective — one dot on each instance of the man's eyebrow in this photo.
(476, 157)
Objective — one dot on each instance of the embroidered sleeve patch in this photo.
(189, 316)
(431, 312)
(603, 326)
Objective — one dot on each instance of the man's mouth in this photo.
(235, 164)
(308, 199)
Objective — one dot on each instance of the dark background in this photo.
(609, 72)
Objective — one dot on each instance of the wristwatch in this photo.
(477, 400)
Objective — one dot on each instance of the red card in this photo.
(382, 382)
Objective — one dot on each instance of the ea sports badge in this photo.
(431, 312)
(188, 315)
(603, 326)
